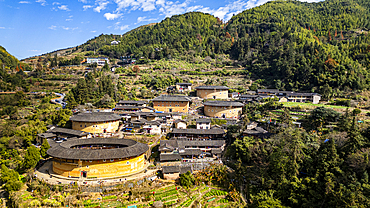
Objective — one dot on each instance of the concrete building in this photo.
(99, 61)
(223, 109)
(212, 92)
(102, 122)
(171, 103)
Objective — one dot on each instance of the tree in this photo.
(31, 158)
(105, 67)
(186, 179)
(44, 148)
(285, 117)
(61, 118)
(10, 178)
(265, 200)
(136, 69)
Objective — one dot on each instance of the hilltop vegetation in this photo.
(7, 60)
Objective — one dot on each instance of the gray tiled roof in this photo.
(198, 131)
(173, 144)
(175, 98)
(203, 120)
(64, 150)
(212, 88)
(187, 84)
(208, 143)
(95, 117)
(191, 152)
(135, 102)
(224, 104)
(46, 135)
(185, 169)
(268, 90)
(73, 132)
(169, 157)
(171, 169)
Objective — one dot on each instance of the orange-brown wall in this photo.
(208, 94)
(96, 127)
(176, 106)
(100, 169)
(213, 111)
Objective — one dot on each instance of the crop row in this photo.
(223, 201)
(169, 198)
(215, 193)
(169, 203)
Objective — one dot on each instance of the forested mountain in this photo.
(308, 46)
(290, 45)
(6, 59)
(322, 47)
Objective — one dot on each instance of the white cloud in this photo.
(124, 27)
(42, 2)
(69, 20)
(144, 5)
(144, 19)
(83, 1)
(24, 2)
(169, 8)
(34, 50)
(63, 7)
(117, 26)
(102, 4)
(2, 27)
(68, 28)
(110, 16)
(94, 31)
(56, 3)
(53, 27)
(87, 7)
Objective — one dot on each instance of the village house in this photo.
(190, 150)
(171, 103)
(203, 123)
(254, 131)
(173, 172)
(100, 61)
(181, 87)
(290, 96)
(196, 134)
(180, 124)
(212, 92)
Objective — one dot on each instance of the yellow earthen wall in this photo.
(96, 127)
(208, 94)
(164, 106)
(213, 111)
(100, 169)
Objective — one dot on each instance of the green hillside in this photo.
(6, 59)
(309, 46)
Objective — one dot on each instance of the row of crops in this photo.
(215, 193)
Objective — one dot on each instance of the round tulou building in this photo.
(98, 157)
(101, 122)
(223, 109)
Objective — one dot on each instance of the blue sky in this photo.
(34, 27)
